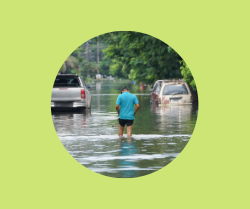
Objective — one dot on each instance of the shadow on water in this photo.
(159, 133)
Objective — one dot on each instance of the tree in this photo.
(187, 75)
(71, 63)
(142, 57)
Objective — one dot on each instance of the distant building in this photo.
(98, 76)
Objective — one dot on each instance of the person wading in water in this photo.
(125, 109)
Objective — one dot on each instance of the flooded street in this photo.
(159, 133)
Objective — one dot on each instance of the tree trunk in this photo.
(87, 55)
(87, 52)
(98, 58)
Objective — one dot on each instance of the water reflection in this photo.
(175, 119)
(127, 166)
(65, 121)
(173, 115)
(98, 90)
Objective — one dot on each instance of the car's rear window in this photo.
(66, 82)
(175, 89)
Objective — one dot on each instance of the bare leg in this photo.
(129, 130)
(121, 129)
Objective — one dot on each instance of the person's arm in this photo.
(136, 108)
(117, 109)
(137, 105)
(118, 102)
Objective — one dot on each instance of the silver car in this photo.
(70, 91)
(171, 92)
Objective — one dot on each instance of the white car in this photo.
(70, 91)
(171, 92)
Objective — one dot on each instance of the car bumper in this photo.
(67, 104)
(174, 104)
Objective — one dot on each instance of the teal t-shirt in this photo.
(126, 102)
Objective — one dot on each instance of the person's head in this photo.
(124, 89)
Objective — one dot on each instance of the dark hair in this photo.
(124, 88)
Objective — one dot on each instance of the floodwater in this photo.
(159, 133)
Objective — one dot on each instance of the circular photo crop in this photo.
(124, 104)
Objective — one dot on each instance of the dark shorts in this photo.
(124, 122)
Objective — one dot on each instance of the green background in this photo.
(211, 172)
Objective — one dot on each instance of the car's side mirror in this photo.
(150, 90)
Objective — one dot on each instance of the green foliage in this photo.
(71, 63)
(91, 66)
(142, 57)
(117, 69)
(104, 65)
(77, 63)
(127, 54)
(88, 80)
(187, 75)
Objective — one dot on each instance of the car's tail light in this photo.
(83, 96)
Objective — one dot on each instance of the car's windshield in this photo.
(175, 89)
(66, 82)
